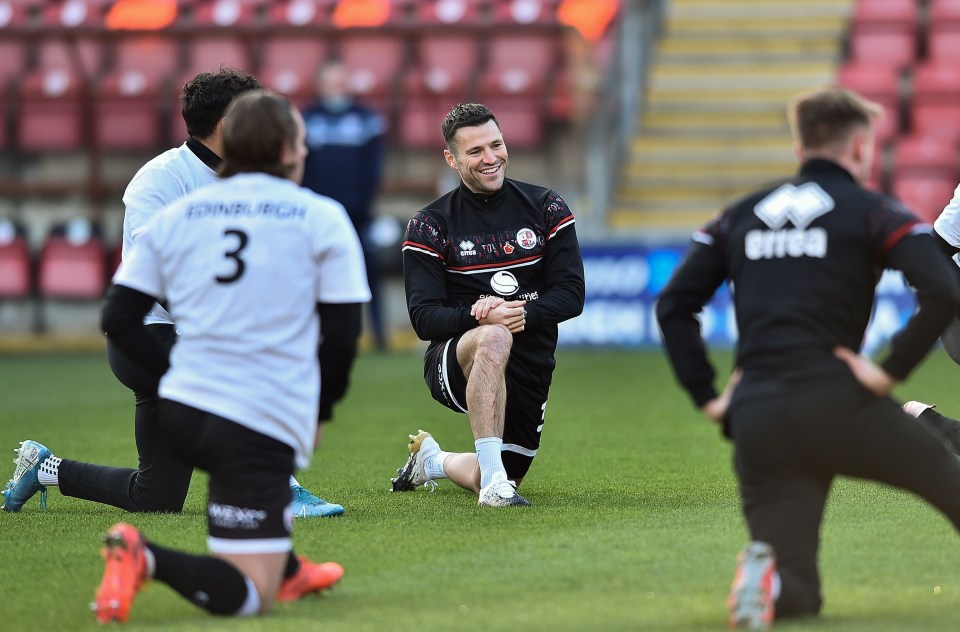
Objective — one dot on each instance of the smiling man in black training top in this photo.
(490, 270)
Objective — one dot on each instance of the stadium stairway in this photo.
(714, 125)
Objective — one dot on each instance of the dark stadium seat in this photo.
(935, 101)
(879, 83)
(924, 195)
(72, 263)
(49, 104)
(15, 277)
(290, 63)
(128, 97)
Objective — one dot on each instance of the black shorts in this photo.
(248, 499)
(524, 415)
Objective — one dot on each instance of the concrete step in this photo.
(801, 25)
(713, 194)
(676, 221)
(750, 8)
(640, 171)
(715, 123)
(714, 46)
(733, 100)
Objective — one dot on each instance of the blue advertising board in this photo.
(623, 282)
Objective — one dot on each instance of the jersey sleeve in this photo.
(565, 289)
(145, 196)
(424, 279)
(341, 271)
(140, 268)
(890, 223)
(947, 224)
(702, 270)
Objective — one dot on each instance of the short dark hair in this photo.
(255, 128)
(205, 98)
(465, 115)
(828, 115)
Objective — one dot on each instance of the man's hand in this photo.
(871, 376)
(716, 408)
(511, 314)
(481, 309)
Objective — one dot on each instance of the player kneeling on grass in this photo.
(490, 270)
(804, 256)
(245, 266)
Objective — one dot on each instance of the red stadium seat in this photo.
(924, 195)
(521, 119)
(884, 32)
(15, 277)
(126, 110)
(419, 121)
(519, 64)
(300, 12)
(74, 13)
(879, 83)
(935, 105)
(290, 64)
(446, 64)
(525, 12)
(439, 12)
(50, 101)
(224, 13)
(72, 265)
(13, 14)
(929, 155)
(373, 62)
(943, 30)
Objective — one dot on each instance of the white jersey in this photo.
(242, 264)
(166, 178)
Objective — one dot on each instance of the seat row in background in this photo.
(70, 86)
(905, 54)
(73, 262)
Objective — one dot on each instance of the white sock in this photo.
(293, 482)
(491, 463)
(49, 473)
(251, 605)
(433, 464)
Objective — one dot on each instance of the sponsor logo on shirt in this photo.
(799, 205)
(504, 283)
(231, 517)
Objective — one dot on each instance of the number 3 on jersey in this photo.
(239, 265)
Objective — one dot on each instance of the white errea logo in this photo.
(799, 205)
(467, 248)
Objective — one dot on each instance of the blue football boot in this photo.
(306, 505)
(25, 482)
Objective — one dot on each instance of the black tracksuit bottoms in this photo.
(161, 481)
(792, 439)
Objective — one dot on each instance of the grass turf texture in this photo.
(634, 526)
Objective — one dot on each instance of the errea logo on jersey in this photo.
(467, 248)
(799, 205)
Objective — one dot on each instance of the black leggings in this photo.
(161, 481)
(790, 443)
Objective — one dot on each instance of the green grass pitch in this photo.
(635, 520)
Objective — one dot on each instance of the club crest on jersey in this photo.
(467, 248)
(526, 238)
(799, 205)
(504, 283)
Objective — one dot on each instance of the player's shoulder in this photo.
(178, 166)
